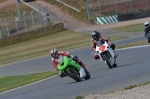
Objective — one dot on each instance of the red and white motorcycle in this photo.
(106, 53)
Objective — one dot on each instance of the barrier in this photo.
(107, 19)
(31, 35)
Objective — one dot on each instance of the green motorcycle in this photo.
(72, 69)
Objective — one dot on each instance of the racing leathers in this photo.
(73, 57)
(94, 43)
(147, 30)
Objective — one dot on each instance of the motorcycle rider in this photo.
(55, 56)
(96, 36)
(147, 29)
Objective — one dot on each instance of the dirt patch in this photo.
(7, 3)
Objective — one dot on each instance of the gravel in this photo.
(141, 92)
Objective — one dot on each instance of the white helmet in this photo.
(146, 24)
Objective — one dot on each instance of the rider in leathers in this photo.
(55, 56)
(96, 36)
(147, 29)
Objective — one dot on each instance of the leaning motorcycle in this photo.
(106, 53)
(148, 37)
(70, 68)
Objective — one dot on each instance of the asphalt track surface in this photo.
(43, 64)
(133, 68)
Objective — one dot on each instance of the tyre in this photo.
(148, 40)
(115, 65)
(87, 74)
(108, 63)
(73, 73)
(28, 0)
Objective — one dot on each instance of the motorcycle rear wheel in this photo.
(87, 74)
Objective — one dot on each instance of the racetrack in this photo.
(43, 64)
(133, 68)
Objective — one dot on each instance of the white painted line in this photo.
(28, 84)
(68, 5)
(133, 47)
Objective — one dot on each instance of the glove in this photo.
(71, 56)
(74, 57)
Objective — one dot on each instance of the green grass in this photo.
(11, 10)
(131, 28)
(79, 97)
(11, 82)
(64, 40)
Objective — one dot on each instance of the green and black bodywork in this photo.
(70, 68)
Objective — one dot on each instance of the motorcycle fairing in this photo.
(66, 62)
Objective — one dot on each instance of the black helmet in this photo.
(96, 35)
(146, 24)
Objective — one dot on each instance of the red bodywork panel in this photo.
(102, 48)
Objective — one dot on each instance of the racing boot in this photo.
(83, 65)
(80, 63)
(115, 57)
(82, 73)
(115, 54)
(61, 74)
(76, 59)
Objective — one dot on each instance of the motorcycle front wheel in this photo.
(115, 65)
(108, 63)
(148, 40)
(87, 74)
(71, 73)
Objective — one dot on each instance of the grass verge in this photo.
(11, 82)
(11, 10)
(38, 47)
(131, 28)
(79, 97)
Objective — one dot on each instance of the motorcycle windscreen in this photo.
(100, 44)
(64, 63)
